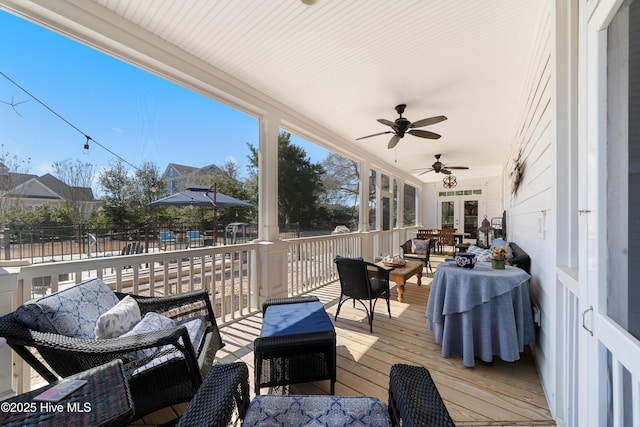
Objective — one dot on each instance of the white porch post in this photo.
(400, 206)
(366, 242)
(272, 252)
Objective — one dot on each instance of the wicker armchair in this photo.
(408, 251)
(163, 367)
(362, 281)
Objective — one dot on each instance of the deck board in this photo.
(502, 394)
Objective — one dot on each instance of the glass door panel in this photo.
(386, 213)
(447, 214)
(470, 219)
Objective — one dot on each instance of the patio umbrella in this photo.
(201, 195)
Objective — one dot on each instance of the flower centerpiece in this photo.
(499, 255)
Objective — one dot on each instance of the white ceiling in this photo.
(344, 64)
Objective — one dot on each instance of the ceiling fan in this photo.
(402, 125)
(439, 167)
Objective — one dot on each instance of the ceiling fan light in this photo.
(449, 181)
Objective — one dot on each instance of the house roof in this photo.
(185, 170)
(327, 71)
(46, 186)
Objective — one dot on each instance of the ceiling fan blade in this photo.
(393, 141)
(375, 134)
(387, 122)
(424, 134)
(445, 171)
(457, 167)
(429, 121)
(428, 170)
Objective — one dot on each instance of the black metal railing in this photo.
(61, 243)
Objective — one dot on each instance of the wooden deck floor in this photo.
(503, 394)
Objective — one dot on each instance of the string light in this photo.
(86, 144)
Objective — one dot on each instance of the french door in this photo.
(461, 213)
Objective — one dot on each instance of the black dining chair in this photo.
(362, 281)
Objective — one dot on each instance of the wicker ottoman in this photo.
(297, 343)
(414, 399)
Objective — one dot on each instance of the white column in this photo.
(400, 206)
(272, 257)
(268, 180)
(363, 215)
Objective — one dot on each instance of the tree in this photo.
(10, 165)
(147, 185)
(118, 187)
(299, 182)
(78, 176)
(341, 180)
(127, 196)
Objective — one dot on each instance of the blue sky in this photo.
(136, 115)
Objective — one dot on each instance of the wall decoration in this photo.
(517, 174)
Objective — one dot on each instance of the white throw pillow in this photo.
(119, 319)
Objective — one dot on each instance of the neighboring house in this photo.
(178, 177)
(28, 191)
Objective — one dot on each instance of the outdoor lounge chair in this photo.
(166, 238)
(419, 249)
(195, 238)
(165, 358)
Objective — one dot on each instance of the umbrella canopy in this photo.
(200, 196)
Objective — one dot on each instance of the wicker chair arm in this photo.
(111, 345)
(224, 391)
(380, 273)
(166, 303)
(179, 307)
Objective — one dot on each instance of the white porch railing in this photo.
(311, 259)
(228, 273)
(225, 271)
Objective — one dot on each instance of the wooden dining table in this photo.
(433, 233)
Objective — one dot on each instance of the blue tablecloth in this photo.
(480, 312)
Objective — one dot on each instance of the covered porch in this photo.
(528, 95)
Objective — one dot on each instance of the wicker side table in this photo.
(414, 399)
(297, 344)
(104, 401)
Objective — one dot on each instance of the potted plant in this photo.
(499, 255)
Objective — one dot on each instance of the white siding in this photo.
(531, 212)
